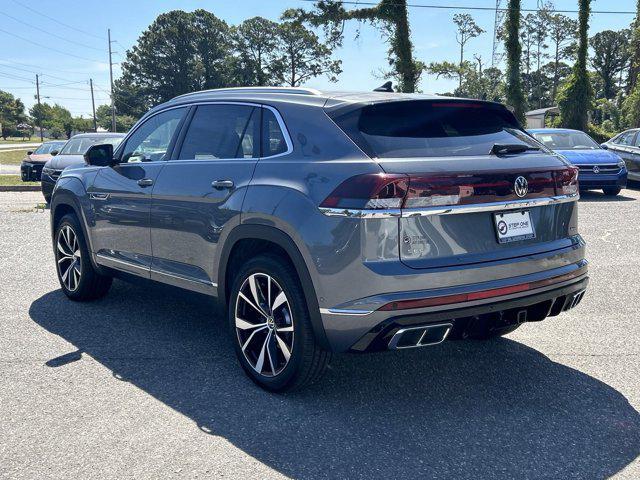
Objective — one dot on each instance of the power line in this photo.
(46, 46)
(463, 7)
(50, 33)
(57, 20)
(16, 77)
(40, 66)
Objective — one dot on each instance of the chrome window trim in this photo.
(276, 113)
(449, 210)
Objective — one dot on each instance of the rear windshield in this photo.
(431, 129)
(79, 146)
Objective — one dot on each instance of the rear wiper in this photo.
(507, 148)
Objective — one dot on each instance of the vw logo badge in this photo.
(521, 187)
(596, 169)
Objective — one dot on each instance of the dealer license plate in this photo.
(514, 226)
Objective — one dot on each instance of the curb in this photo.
(19, 188)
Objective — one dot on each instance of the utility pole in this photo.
(39, 111)
(113, 105)
(497, 21)
(93, 106)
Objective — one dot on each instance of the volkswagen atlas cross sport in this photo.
(329, 222)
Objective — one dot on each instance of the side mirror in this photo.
(54, 153)
(29, 152)
(100, 155)
(604, 145)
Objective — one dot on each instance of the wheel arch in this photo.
(66, 200)
(262, 236)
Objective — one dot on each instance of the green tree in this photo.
(390, 15)
(180, 52)
(634, 51)
(562, 33)
(467, 29)
(62, 118)
(513, 85)
(123, 122)
(11, 113)
(42, 114)
(576, 96)
(303, 56)
(610, 57)
(256, 42)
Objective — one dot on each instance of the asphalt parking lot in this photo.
(144, 384)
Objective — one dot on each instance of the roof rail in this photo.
(287, 90)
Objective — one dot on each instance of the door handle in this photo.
(221, 184)
(145, 182)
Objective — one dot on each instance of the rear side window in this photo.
(430, 129)
(273, 140)
(222, 132)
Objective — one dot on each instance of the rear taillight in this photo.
(567, 181)
(371, 191)
(415, 191)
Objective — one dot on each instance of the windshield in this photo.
(426, 128)
(48, 148)
(566, 140)
(79, 146)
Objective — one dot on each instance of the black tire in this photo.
(90, 284)
(611, 191)
(47, 199)
(307, 361)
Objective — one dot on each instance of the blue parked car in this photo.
(599, 168)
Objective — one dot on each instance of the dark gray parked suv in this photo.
(329, 221)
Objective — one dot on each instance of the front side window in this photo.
(222, 132)
(424, 128)
(625, 138)
(149, 143)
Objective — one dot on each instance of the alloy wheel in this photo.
(69, 258)
(264, 324)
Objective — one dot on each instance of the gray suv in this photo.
(329, 222)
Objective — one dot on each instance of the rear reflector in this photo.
(386, 191)
(480, 295)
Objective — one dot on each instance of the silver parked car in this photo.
(329, 221)
(627, 146)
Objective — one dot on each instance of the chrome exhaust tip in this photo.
(422, 336)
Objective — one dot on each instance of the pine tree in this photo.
(576, 97)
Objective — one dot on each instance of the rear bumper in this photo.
(531, 308)
(365, 324)
(603, 180)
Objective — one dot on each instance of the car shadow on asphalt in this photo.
(460, 410)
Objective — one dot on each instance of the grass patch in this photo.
(12, 158)
(13, 180)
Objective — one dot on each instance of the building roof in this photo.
(543, 111)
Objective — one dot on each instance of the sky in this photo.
(66, 41)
